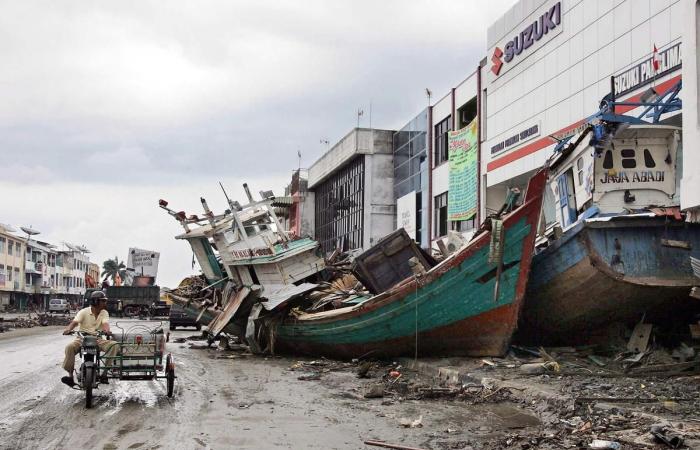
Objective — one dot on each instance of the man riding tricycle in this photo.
(136, 354)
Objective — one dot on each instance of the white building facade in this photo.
(690, 182)
(549, 65)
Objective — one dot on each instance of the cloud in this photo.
(108, 219)
(108, 106)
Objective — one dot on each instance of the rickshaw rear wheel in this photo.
(170, 375)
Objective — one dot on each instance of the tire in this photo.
(88, 383)
(170, 375)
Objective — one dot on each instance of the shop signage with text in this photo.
(644, 73)
(526, 134)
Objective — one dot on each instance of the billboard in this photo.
(462, 194)
(143, 262)
(406, 214)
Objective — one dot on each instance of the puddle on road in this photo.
(503, 415)
(118, 395)
(485, 417)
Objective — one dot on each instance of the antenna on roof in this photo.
(8, 228)
(30, 231)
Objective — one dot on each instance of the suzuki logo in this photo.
(547, 25)
(496, 60)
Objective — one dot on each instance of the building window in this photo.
(2, 245)
(440, 208)
(9, 273)
(10, 244)
(339, 214)
(18, 250)
(441, 135)
(466, 114)
(410, 150)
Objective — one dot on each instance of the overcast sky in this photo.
(108, 106)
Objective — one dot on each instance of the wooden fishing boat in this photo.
(465, 305)
(611, 270)
(618, 248)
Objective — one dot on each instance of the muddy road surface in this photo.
(222, 401)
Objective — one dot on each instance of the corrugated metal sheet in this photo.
(217, 325)
(277, 295)
(695, 263)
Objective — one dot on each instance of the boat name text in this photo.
(644, 176)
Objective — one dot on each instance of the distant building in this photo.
(12, 250)
(92, 277)
(300, 213)
(39, 273)
(71, 266)
(353, 187)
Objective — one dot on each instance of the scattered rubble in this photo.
(34, 320)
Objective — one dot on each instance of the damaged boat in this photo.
(617, 247)
(468, 304)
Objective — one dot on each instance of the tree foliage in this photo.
(113, 267)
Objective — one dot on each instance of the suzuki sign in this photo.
(547, 25)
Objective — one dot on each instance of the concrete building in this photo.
(92, 276)
(411, 178)
(39, 273)
(422, 169)
(71, 266)
(12, 263)
(453, 111)
(299, 217)
(353, 186)
(690, 182)
(550, 63)
(32, 272)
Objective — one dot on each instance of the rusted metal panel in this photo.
(386, 263)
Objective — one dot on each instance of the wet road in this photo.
(218, 403)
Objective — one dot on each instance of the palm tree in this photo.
(113, 267)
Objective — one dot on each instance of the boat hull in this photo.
(605, 272)
(451, 310)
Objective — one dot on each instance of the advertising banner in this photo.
(143, 262)
(462, 196)
(406, 213)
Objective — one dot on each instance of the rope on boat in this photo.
(496, 245)
(496, 248)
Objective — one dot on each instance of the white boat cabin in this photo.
(635, 171)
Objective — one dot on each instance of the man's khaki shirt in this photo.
(88, 322)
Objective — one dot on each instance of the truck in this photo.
(134, 301)
(113, 305)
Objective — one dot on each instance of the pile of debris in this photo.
(191, 287)
(34, 320)
(341, 291)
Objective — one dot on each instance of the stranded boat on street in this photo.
(468, 304)
(618, 246)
